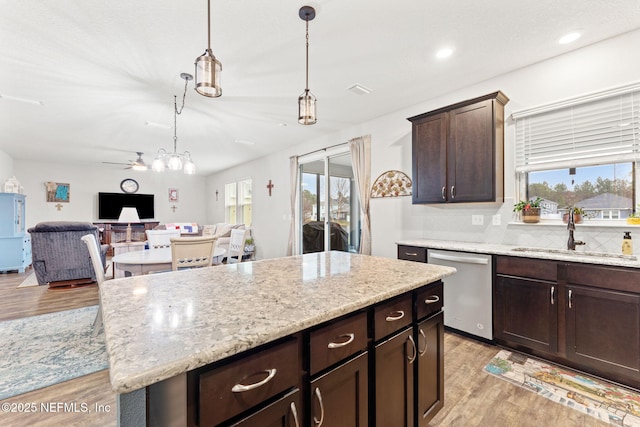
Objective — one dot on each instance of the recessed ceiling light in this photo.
(282, 125)
(568, 38)
(20, 99)
(444, 53)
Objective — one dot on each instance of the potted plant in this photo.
(634, 218)
(578, 214)
(249, 246)
(530, 210)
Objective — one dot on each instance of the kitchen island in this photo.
(159, 328)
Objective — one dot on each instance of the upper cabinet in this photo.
(12, 207)
(458, 152)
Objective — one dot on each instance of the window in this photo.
(582, 153)
(237, 202)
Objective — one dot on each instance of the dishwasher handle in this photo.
(454, 258)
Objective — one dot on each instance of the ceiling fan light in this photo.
(208, 73)
(139, 167)
(175, 163)
(307, 108)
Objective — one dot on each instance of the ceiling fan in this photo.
(137, 164)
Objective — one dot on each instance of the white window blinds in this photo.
(596, 129)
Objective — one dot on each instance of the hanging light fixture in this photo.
(175, 161)
(208, 68)
(306, 101)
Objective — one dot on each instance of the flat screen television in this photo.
(110, 205)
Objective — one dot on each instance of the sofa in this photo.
(59, 254)
(222, 231)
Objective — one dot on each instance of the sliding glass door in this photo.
(329, 209)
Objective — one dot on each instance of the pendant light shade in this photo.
(306, 101)
(208, 68)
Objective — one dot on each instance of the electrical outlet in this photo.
(477, 220)
(495, 219)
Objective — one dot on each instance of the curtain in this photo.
(361, 160)
(294, 171)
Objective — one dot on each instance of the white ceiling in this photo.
(104, 69)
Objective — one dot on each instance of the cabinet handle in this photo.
(394, 318)
(570, 297)
(444, 194)
(294, 412)
(426, 344)
(350, 338)
(453, 192)
(319, 422)
(415, 352)
(553, 293)
(411, 253)
(432, 299)
(239, 388)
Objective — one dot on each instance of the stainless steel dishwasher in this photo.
(467, 294)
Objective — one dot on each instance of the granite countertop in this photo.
(161, 325)
(528, 252)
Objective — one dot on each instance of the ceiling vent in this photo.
(358, 89)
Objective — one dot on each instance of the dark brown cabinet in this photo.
(588, 319)
(457, 152)
(285, 412)
(430, 368)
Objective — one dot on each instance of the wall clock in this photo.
(129, 185)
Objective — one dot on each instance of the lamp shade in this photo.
(208, 70)
(129, 215)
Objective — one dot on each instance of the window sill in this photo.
(612, 223)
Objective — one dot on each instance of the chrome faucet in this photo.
(571, 226)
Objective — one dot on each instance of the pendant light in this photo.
(306, 101)
(208, 68)
(175, 161)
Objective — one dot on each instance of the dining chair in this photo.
(236, 246)
(158, 239)
(96, 261)
(192, 252)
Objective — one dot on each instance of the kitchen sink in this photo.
(577, 253)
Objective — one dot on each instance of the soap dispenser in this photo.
(627, 244)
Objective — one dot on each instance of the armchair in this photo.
(59, 254)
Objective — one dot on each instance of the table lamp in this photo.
(128, 215)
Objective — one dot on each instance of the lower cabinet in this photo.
(380, 366)
(588, 319)
(339, 397)
(15, 253)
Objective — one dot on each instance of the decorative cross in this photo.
(59, 206)
(270, 186)
(216, 195)
(174, 207)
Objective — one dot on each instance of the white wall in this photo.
(86, 182)
(6, 167)
(610, 63)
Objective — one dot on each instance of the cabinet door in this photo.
(430, 159)
(430, 366)
(526, 313)
(394, 378)
(603, 329)
(339, 397)
(286, 412)
(471, 154)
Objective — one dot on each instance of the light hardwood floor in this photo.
(472, 397)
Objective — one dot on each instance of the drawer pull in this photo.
(432, 299)
(444, 194)
(411, 253)
(394, 318)
(319, 422)
(239, 388)
(294, 412)
(453, 192)
(414, 351)
(426, 344)
(350, 339)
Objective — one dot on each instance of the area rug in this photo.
(607, 402)
(29, 281)
(40, 351)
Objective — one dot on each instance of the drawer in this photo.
(392, 316)
(429, 300)
(412, 253)
(231, 389)
(527, 267)
(337, 341)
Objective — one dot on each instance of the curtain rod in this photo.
(323, 149)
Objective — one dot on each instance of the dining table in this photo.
(137, 263)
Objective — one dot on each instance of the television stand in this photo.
(116, 232)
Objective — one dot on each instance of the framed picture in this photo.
(173, 194)
(58, 192)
